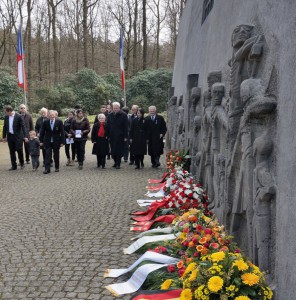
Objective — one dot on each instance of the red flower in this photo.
(181, 272)
(171, 268)
(208, 231)
(199, 227)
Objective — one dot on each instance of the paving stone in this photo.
(60, 231)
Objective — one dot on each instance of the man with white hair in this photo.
(29, 125)
(156, 130)
(52, 137)
(117, 133)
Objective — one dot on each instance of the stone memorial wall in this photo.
(231, 104)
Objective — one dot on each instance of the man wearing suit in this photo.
(156, 130)
(52, 138)
(28, 121)
(14, 132)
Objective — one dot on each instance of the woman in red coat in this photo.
(100, 141)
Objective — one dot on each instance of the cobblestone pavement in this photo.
(59, 232)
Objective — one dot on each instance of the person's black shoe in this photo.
(157, 165)
(142, 164)
(57, 170)
(125, 161)
(22, 166)
(117, 167)
(38, 164)
(98, 165)
(137, 167)
(103, 167)
(131, 163)
(46, 172)
(12, 169)
(27, 162)
(153, 166)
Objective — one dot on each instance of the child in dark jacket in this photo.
(34, 149)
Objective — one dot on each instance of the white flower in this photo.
(187, 192)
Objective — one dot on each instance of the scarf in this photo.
(101, 132)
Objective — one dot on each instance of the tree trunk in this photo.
(85, 33)
(135, 46)
(145, 39)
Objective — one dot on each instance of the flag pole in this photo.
(24, 74)
(122, 66)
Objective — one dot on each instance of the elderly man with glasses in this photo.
(29, 125)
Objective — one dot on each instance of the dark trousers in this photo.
(101, 160)
(139, 159)
(27, 153)
(80, 151)
(35, 161)
(48, 157)
(117, 160)
(14, 146)
(67, 151)
(155, 159)
(125, 151)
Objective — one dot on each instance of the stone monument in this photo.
(237, 120)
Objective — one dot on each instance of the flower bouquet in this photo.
(176, 158)
(224, 275)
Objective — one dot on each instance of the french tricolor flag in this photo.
(121, 61)
(21, 76)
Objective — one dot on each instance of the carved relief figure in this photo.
(247, 52)
(195, 126)
(171, 119)
(219, 126)
(264, 192)
(252, 124)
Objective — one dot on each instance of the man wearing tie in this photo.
(156, 130)
(52, 138)
(14, 132)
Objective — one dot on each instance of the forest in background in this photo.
(63, 38)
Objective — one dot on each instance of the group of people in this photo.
(116, 133)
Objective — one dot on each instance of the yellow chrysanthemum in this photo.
(166, 285)
(193, 275)
(242, 298)
(189, 268)
(186, 295)
(250, 278)
(218, 256)
(215, 284)
(241, 265)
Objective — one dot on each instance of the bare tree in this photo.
(144, 32)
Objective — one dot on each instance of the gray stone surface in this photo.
(249, 47)
(60, 231)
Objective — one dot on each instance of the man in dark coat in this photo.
(52, 137)
(28, 121)
(14, 132)
(117, 133)
(156, 130)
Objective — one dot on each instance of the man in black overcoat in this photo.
(28, 121)
(156, 130)
(117, 133)
(14, 132)
(52, 137)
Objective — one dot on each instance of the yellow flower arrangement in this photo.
(215, 284)
(250, 279)
(186, 295)
(218, 256)
(166, 285)
(242, 298)
(241, 265)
